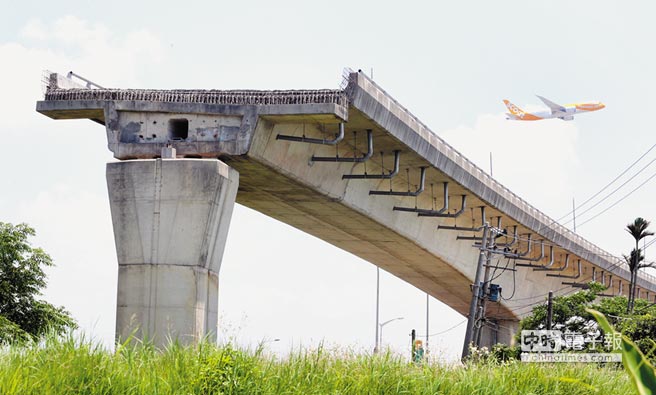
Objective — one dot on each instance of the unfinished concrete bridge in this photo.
(350, 166)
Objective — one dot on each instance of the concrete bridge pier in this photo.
(498, 332)
(171, 220)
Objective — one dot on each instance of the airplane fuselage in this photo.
(565, 112)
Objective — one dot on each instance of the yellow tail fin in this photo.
(514, 110)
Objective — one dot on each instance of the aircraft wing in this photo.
(555, 108)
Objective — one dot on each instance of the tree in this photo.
(571, 315)
(635, 261)
(638, 230)
(22, 278)
(564, 308)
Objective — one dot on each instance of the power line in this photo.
(618, 201)
(613, 192)
(538, 296)
(603, 189)
(652, 241)
(522, 307)
(515, 309)
(446, 330)
(514, 275)
(475, 321)
(612, 182)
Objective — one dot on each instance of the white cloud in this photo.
(70, 43)
(73, 31)
(536, 160)
(34, 29)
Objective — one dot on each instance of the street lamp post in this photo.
(377, 307)
(427, 326)
(380, 339)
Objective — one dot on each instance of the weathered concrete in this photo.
(171, 220)
(280, 179)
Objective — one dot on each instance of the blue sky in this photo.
(451, 64)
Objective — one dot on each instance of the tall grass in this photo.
(69, 366)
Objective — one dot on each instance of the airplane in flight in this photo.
(566, 112)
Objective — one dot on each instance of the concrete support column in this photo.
(499, 332)
(171, 220)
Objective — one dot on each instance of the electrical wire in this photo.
(604, 188)
(652, 241)
(497, 326)
(516, 310)
(540, 295)
(610, 183)
(503, 270)
(444, 331)
(618, 201)
(618, 263)
(546, 294)
(514, 272)
(613, 192)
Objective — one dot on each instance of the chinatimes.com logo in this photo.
(558, 346)
(574, 357)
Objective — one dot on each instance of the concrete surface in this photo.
(171, 220)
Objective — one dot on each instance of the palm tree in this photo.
(635, 263)
(637, 229)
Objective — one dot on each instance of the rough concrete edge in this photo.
(51, 108)
(381, 108)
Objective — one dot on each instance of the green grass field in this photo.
(79, 367)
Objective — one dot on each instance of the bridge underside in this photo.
(279, 179)
(266, 190)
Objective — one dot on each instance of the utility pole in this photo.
(413, 336)
(574, 214)
(377, 345)
(550, 310)
(426, 346)
(476, 292)
(482, 299)
(491, 175)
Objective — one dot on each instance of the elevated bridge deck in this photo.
(288, 181)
